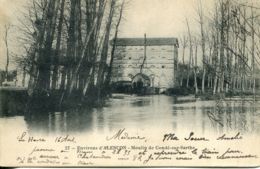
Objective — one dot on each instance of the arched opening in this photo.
(140, 83)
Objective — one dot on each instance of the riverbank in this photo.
(208, 95)
(14, 100)
(126, 111)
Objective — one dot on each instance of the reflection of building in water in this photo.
(180, 114)
(157, 55)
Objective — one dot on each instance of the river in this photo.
(146, 112)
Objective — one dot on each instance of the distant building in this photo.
(10, 79)
(160, 64)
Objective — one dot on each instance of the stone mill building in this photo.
(150, 60)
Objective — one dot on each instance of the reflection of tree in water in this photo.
(232, 113)
(228, 111)
(242, 115)
(59, 122)
(12, 103)
(215, 116)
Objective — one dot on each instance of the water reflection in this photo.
(59, 122)
(160, 112)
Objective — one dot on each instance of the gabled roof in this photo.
(149, 41)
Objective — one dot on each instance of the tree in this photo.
(104, 51)
(56, 58)
(195, 66)
(67, 44)
(253, 52)
(201, 21)
(191, 52)
(183, 42)
(6, 33)
(109, 74)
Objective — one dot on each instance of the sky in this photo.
(156, 18)
(8, 15)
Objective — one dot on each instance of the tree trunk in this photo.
(104, 52)
(43, 82)
(7, 27)
(58, 46)
(222, 48)
(201, 16)
(110, 69)
(195, 71)
(24, 76)
(253, 54)
(190, 40)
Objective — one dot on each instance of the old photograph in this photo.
(130, 83)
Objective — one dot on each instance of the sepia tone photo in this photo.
(130, 83)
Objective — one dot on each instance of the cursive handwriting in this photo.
(230, 154)
(173, 147)
(170, 136)
(236, 137)
(36, 149)
(24, 137)
(122, 134)
(192, 138)
(67, 138)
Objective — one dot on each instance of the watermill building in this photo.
(150, 60)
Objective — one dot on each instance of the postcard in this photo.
(129, 83)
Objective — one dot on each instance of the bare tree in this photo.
(228, 64)
(67, 47)
(191, 52)
(253, 52)
(195, 65)
(104, 52)
(6, 36)
(56, 58)
(201, 21)
(109, 74)
(183, 42)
